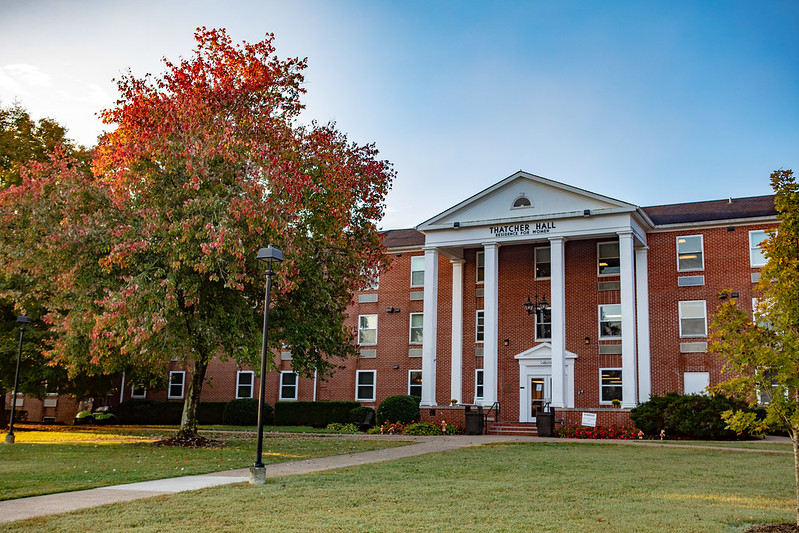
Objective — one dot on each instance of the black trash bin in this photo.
(545, 420)
(474, 419)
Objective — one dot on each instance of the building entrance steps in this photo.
(513, 428)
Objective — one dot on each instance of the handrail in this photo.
(486, 413)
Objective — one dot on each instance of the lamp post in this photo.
(258, 471)
(22, 321)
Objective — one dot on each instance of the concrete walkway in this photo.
(22, 508)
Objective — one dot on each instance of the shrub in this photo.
(244, 412)
(422, 428)
(359, 414)
(211, 413)
(699, 417)
(337, 427)
(598, 432)
(398, 408)
(317, 414)
(648, 416)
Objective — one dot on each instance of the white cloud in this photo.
(28, 75)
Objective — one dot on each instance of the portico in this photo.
(495, 236)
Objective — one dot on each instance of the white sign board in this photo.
(589, 419)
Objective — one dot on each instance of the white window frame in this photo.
(757, 259)
(682, 316)
(239, 384)
(540, 313)
(479, 326)
(358, 385)
(415, 262)
(412, 384)
(536, 261)
(603, 385)
(362, 329)
(295, 386)
(480, 270)
(171, 384)
(479, 376)
(419, 327)
(133, 394)
(599, 246)
(701, 252)
(599, 315)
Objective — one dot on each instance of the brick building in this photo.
(534, 292)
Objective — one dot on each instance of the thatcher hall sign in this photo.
(516, 230)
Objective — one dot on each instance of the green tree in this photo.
(24, 142)
(762, 352)
(153, 258)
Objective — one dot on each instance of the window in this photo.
(522, 201)
(756, 256)
(480, 326)
(417, 271)
(176, 379)
(415, 383)
(417, 321)
(608, 254)
(610, 321)
(610, 385)
(543, 323)
(244, 383)
(138, 391)
(288, 385)
(695, 382)
(365, 385)
(543, 262)
(692, 319)
(481, 267)
(367, 329)
(478, 384)
(689, 253)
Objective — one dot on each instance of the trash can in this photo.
(545, 420)
(474, 419)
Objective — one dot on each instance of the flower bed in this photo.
(418, 428)
(598, 432)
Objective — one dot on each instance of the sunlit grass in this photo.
(47, 461)
(522, 487)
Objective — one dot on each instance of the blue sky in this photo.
(646, 102)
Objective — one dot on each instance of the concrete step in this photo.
(513, 428)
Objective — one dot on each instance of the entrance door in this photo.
(539, 393)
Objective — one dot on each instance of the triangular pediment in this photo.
(524, 196)
(541, 351)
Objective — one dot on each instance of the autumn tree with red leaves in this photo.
(207, 165)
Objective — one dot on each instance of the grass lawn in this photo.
(515, 487)
(59, 459)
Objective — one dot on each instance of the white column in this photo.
(491, 324)
(430, 325)
(456, 372)
(558, 288)
(628, 371)
(642, 307)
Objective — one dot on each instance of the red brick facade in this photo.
(724, 228)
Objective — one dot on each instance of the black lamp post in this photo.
(258, 472)
(22, 321)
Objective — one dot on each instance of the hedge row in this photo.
(317, 414)
(691, 416)
(152, 412)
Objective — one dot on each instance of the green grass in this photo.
(521, 487)
(66, 459)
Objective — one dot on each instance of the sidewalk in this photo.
(22, 508)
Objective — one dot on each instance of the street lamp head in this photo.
(269, 254)
(23, 321)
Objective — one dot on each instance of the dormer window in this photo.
(522, 201)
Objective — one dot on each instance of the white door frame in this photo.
(537, 362)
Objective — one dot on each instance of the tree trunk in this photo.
(3, 421)
(188, 422)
